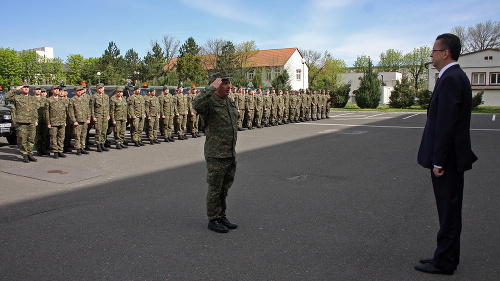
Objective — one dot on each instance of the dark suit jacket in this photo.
(447, 130)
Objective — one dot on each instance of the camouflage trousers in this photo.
(166, 125)
(280, 115)
(314, 111)
(119, 131)
(241, 116)
(26, 138)
(80, 133)
(258, 117)
(265, 118)
(42, 137)
(249, 117)
(57, 137)
(136, 127)
(193, 122)
(220, 177)
(101, 129)
(180, 123)
(153, 126)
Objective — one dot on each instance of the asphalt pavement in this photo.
(336, 199)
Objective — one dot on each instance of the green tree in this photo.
(30, 66)
(361, 63)
(282, 81)
(10, 68)
(257, 78)
(368, 93)
(55, 67)
(479, 37)
(90, 67)
(340, 95)
(190, 70)
(391, 60)
(189, 47)
(226, 61)
(132, 65)
(402, 96)
(74, 72)
(415, 66)
(155, 62)
(330, 74)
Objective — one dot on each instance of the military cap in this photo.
(222, 75)
(78, 87)
(188, 88)
(25, 84)
(180, 86)
(38, 87)
(119, 89)
(151, 89)
(165, 88)
(43, 90)
(63, 89)
(136, 87)
(55, 87)
(100, 85)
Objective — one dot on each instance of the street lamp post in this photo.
(98, 77)
(303, 74)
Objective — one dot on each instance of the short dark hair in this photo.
(452, 43)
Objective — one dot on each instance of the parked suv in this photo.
(7, 128)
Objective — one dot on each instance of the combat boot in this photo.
(26, 159)
(83, 151)
(61, 154)
(56, 155)
(137, 144)
(118, 146)
(228, 224)
(78, 152)
(103, 146)
(217, 226)
(99, 149)
(31, 158)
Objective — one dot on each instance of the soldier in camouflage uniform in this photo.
(286, 109)
(281, 107)
(152, 115)
(136, 113)
(118, 114)
(292, 106)
(314, 105)
(274, 108)
(192, 115)
(266, 105)
(99, 110)
(25, 117)
(239, 99)
(221, 127)
(79, 115)
(249, 109)
(180, 113)
(259, 108)
(328, 104)
(56, 111)
(63, 94)
(167, 114)
(42, 132)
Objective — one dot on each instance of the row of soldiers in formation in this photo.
(271, 108)
(51, 122)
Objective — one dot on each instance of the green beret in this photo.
(165, 88)
(151, 89)
(100, 85)
(136, 87)
(180, 86)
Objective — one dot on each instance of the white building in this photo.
(47, 52)
(388, 79)
(483, 70)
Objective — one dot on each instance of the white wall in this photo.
(48, 52)
(390, 79)
(294, 63)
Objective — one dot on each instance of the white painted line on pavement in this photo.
(379, 126)
(407, 117)
(371, 116)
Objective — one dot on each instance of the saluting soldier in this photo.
(25, 117)
(180, 113)
(167, 114)
(56, 111)
(79, 115)
(99, 110)
(152, 114)
(136, 113)
(118, 114)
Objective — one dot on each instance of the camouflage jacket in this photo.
(55, 111)
(79, 109)
(221, 123)
(152, 105)
(25, 109)
(136, 106)
(180, 104)
(190, 99)
(99, 105)
(249, 102)
(118, 109)
(166, 104)
(259, 102)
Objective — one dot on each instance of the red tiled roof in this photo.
(274, 57)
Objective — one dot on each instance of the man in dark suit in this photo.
(446, 150)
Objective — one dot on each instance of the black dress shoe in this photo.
(61, 154)
(430, 268)
(31, 158)
(26, 159)
(426, 260)
(228, 224)
(217, 226)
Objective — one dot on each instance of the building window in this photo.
(299, 74)
(478, 78)
(495, 79)
(269, 75)
(251, 74)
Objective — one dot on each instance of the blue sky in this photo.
(346, 28)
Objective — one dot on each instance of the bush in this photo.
(477, 100)
(340, 95)
(424, 98)
(402, 95)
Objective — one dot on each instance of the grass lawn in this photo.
(415, 108)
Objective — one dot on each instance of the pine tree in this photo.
(368, 93)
